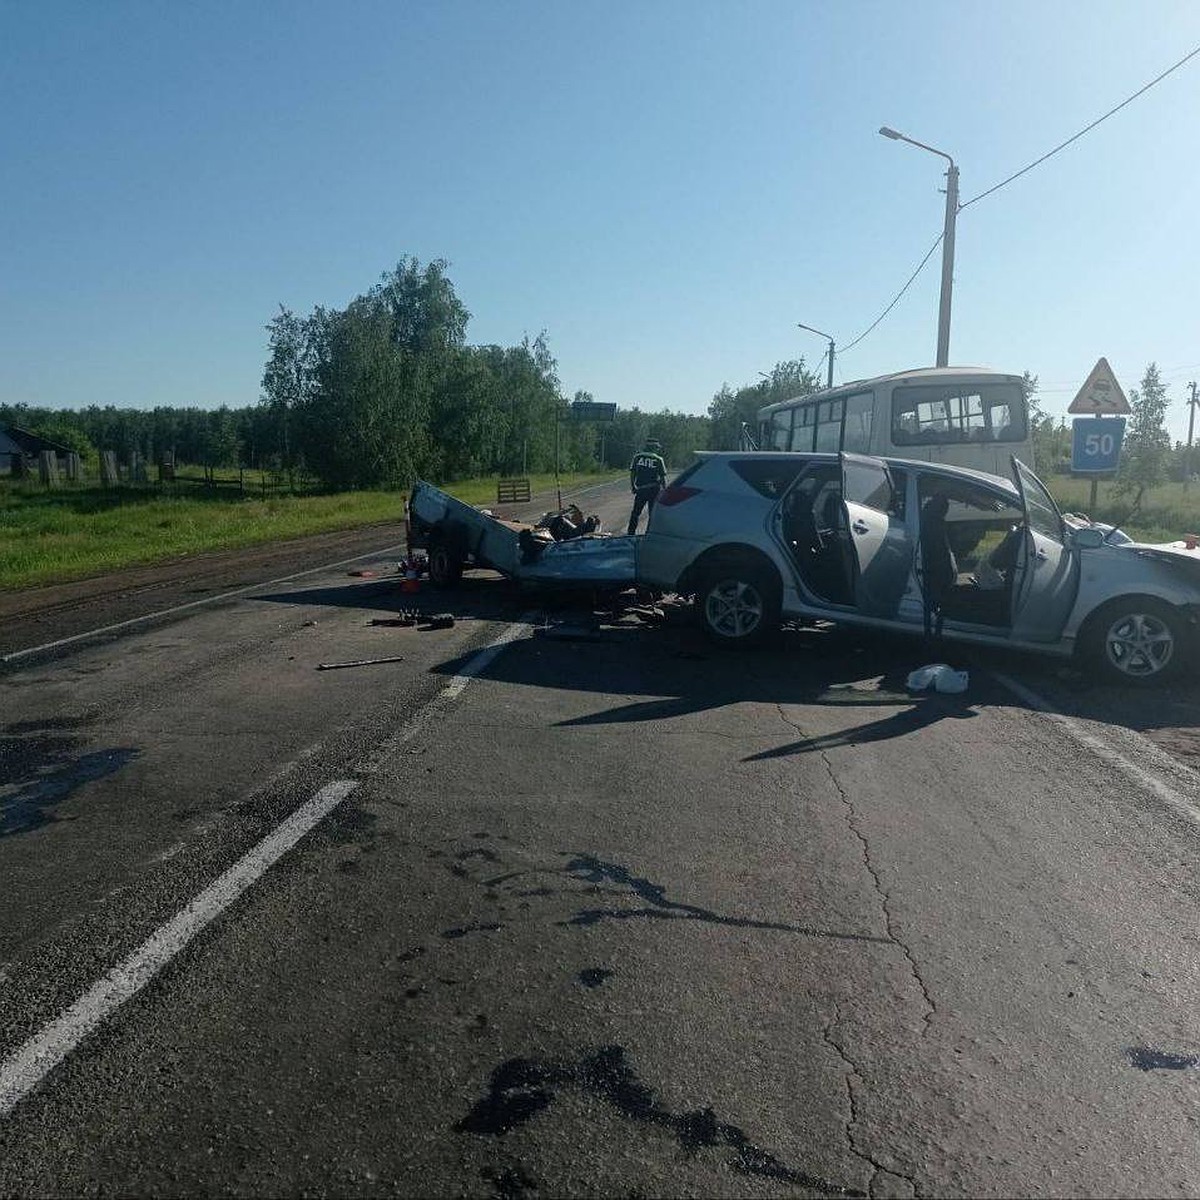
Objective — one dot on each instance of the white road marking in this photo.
(1112, 755)
(25, 1069)
(518, 629)
(22, 1071)
(166, 612)
(448, 694)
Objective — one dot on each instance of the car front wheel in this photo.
(738, 604)
(1139, 641)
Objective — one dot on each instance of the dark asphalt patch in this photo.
(593, 977)
(589, 869)
(521, 1088)
(1146, 1059)
(42, 771)
(463, 930)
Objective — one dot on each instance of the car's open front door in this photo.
(1048, 569)
(877, 541)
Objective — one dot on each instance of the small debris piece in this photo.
(440, 621)
(360, 662)
(362, 574)
(940, 677)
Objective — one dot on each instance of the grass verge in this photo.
(1166, 513)
(53, 536)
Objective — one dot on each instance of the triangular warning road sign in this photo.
(1101, 395)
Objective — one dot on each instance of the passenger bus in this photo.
(962, 415)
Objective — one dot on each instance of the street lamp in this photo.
(824, 335)
(943, 346)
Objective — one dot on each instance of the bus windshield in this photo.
(938, 414)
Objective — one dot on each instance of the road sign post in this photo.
(1099, 427)
(1096, 449)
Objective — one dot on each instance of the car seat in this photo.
(938, 564)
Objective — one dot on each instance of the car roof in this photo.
(946, 470)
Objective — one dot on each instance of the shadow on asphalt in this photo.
(681, 674)
(810, 666)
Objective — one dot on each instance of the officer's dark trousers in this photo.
(643, 498)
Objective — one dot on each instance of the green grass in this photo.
(1165, 515)
(53, 536)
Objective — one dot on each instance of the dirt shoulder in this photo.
(34, 616)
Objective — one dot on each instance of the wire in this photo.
(1086, 129)
(896, 300)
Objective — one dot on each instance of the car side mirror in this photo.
(1089, 538)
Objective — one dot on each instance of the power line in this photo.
(896, 300)
(1004, 182)
(1086, 129)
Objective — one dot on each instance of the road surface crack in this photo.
(854, 1081)
(852, 820)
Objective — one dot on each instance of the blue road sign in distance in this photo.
(1096, 444)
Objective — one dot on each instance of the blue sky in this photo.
(666, 188)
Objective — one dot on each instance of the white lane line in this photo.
(22, 1071)
(1112, 755)
(481, 660)
(28, 1066)
(166, 612)
(451, 692)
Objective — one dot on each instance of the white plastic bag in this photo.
(941, 677)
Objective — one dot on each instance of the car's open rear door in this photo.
(877, 541)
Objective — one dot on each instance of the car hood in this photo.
(1175, 554)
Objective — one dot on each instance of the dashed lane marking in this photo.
(25, 1069)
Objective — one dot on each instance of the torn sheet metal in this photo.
(517, 549)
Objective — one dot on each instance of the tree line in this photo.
(387, 389)
(378, 393)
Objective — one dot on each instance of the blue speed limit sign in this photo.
(1096, 444)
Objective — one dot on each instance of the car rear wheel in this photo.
(738, 604)
(1139, 641)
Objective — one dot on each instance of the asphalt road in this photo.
(594, 914)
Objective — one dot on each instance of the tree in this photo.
(1147, 449)
(730, 410)
(1051, 439)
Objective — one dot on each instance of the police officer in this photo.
(647, 475)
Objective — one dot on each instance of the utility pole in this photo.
(1187, 458)
(829, 377)
(943, 346)
(943, 343)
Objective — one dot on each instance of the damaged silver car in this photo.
(921, 548)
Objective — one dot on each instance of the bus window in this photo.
(947, 414)
(781, 430)
(802, 429)
(829, 427)
(860, 412)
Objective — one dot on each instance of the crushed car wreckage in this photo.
(564, 549)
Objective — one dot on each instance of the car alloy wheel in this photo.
(733, 609)
(1139, 645)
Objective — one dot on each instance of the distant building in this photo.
(19, 444)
